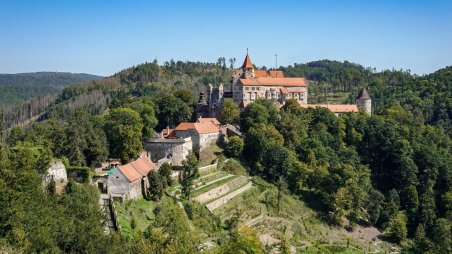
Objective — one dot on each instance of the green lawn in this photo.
(140, 210)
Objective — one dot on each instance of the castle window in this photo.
(252, 88)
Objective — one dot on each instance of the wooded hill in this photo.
(330, 81)
(20, 87)
(390, 170)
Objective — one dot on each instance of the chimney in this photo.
(167, 131)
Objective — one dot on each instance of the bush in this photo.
(83, 172)
(234, 167)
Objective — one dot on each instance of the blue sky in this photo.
(103, 37)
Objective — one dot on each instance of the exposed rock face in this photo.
(58, 171)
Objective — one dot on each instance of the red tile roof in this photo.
(276, 74)
(260, 73)
(212, 120)
(130, 172)
(336, 108)
(167, 134)
(268, 81)
(247, 63)
(201, 128)
(185, 126)
(138, 168)
(208, 127)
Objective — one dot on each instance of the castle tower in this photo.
(364, 101)
(220, 92)
(209, 93)
(247, 67)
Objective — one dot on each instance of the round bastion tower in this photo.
(364, 101)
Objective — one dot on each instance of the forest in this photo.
(21, 87)
(391, 170)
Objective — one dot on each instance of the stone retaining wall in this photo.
(220, 191)
(223, 200)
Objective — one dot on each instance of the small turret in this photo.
(364, 101)
(247, 67)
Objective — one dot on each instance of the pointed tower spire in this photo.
(247, 63)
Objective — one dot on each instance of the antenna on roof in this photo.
(276, 61)
(247, 51)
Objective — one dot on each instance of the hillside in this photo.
(20, 87)
(321, 183)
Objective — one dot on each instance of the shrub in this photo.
(83, 172)
(234, 167)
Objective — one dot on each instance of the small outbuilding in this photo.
(130, 181)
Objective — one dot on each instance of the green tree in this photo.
(243, 241)
(165, 173)
(155, 190)
(172, 110)
(190, 167)
(170, 232)
(185, 95)
(258, 139)
(149, 120)
(123, 127)
(230, 113)
(234, 147)
(17, 135)
(253, 115)
(146, 108)
(273, 114)
(441, 236)
(397, 230)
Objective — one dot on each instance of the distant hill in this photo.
(17, 88)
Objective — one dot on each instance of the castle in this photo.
(249, 84)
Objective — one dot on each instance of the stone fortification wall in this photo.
(57, 171)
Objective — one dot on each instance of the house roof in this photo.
(137, 168)
(363, 94)
(276, 74)
(142, 166)
(335, 108)
(168, 133)
(185, 126)
(268, 81)
(201, 128)
(207, 119)
(284, 90)
(204, 128)
(247, 63)
(130, 172)
(260, 73)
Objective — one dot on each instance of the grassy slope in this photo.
(140, 210)
(298, 222)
